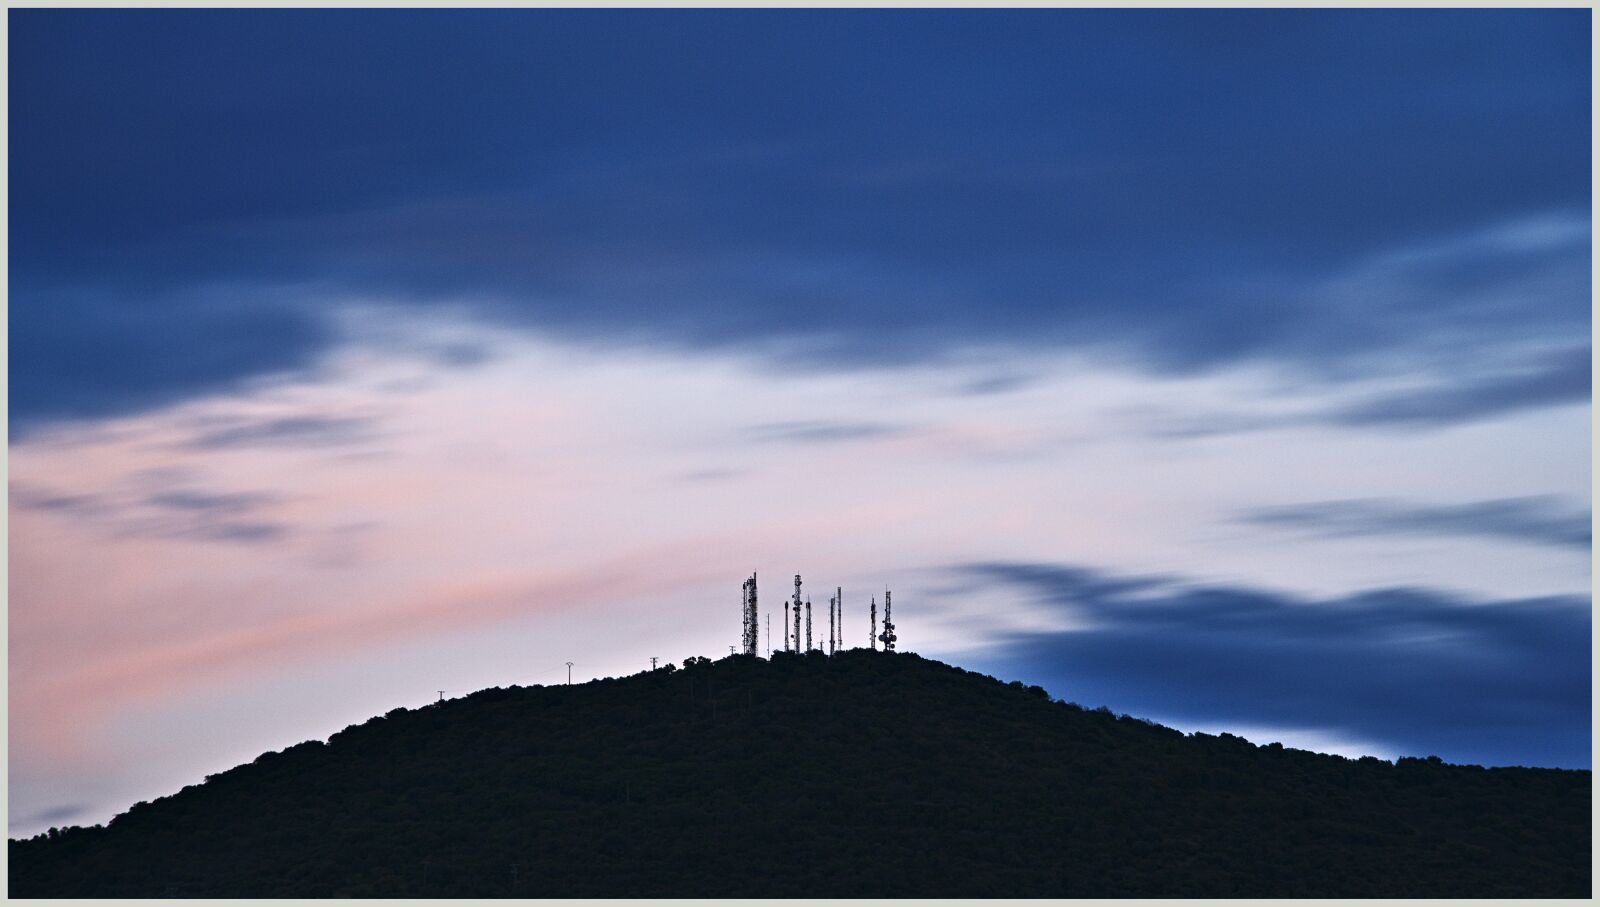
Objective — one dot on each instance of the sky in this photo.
(1226, 368)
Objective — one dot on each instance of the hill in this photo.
(865, 774)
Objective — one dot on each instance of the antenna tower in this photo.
(797, 612)
(887, 636)
(751, 616)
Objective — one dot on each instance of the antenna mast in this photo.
(808, 623)
(832, 605)
(752, 620)
(838, 607)
(887, 636)
(872, 634)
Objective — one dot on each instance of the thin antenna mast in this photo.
(808, 623)
(832, 605)
(838, 606)
(569, 673)
(872, 634)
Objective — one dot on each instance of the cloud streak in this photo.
(173, 510)
(286, 431)
(821, 431)
(1538, 520)
(1564, 380)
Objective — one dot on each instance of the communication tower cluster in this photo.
(797, 635)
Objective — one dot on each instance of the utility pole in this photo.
(569, 673)
(652, 662)
(441, 695)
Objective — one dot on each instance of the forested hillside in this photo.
(864, 774)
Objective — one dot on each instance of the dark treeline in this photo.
(865, 774)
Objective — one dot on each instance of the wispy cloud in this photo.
(1558, 376)
(1540, 519)
(1564, 378)
(29, 498)
(710, 475)
(163, 505)
(820, 431)
(52, 815)
(995, 384)
(209, 502)
(287, 431)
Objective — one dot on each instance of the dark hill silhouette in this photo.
(865, 774)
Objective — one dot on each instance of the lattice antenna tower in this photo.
(752, 618)
(872, 634)
(808, 623)
(797, 612)
(887, 635)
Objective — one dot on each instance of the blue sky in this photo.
(1281, 307)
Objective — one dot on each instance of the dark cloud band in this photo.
(1186, 189)
(1424, 672)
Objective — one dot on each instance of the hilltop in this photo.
(864, 774)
